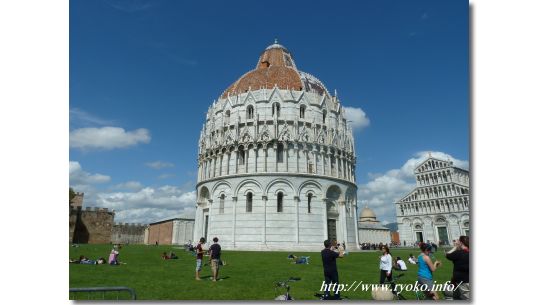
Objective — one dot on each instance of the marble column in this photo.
(354, 207)
(256, 159)
(323, 155)
(247, 159)
(286, 157)
(343, 219)
(296, 150)
(306, 160)
(264, 229)
(324, 218)
(234, 202)
(296, 198)
(265, 158)
(210, 214)
(236, 153)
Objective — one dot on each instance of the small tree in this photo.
(71, 194)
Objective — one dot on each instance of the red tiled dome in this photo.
(276, 67)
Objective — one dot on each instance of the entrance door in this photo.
(420, 239)
(331, 229)
(443, 235)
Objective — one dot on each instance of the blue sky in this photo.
(143, 73)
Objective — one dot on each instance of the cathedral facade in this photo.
(276, 162)
(437, 210)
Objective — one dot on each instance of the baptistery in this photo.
(276, 162)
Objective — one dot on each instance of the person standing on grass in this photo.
(214, 253)
(199, 257)
(385, 266)
(328, 257)
(426, 268)
(459, 255)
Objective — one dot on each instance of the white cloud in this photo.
(383, 190)
(166, 176)
(79, 177)
(159, 164)
(107, 138)
(149, 203)
(132, 201)
(130, 185)
(149, 215)
(356, 117)
(80, 117)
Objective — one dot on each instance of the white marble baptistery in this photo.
(276, 162)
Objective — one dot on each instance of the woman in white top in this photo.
(385, 266)
(400, 264)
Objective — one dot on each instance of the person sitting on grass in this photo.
(412, 259)
(113, 257)
(399, 264)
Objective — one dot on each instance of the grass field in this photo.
(247, 275)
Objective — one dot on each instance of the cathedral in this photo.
(276, 162)
(437, 210)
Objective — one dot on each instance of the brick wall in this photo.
(161, 232)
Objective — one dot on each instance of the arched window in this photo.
(250, 112)
(221, 205)
(324, 115)
(241, 155)
(276, 109)
(227, 117)
(280, 153)
(310, 203)
(302, 111)
(249, 202)
(280, 202)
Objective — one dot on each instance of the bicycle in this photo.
(284, 284)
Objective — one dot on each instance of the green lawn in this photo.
(247, 275)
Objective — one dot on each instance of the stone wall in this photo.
(77, 200)
(91, 225)
(128, 233)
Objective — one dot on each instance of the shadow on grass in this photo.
(210, 277)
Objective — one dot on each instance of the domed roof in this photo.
(276, 67)
(367, 215)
